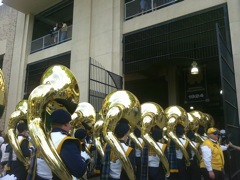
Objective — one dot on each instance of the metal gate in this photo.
(101, 83)
(229, 101)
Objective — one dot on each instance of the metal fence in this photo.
(101, 83)
(51, 40)
(138, 7)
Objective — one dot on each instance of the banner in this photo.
(195, 86)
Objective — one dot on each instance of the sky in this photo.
(0, 2)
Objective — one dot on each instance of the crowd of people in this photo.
(77, 156)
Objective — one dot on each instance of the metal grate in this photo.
(102, 82)
(193, 36)
(229, 100)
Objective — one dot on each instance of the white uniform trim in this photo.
(153, 161)
(138, 151)
(57, 137)
(116, 167)
(43, 169)
(179, 153)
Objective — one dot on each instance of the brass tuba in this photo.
(192, 125)
(117, 105)
(97, 134)
(153, 115)
(177, 115)
(210, 121)
(2, 93)
(20, 114)
(84, 117)
(201, 119)
(57, 84)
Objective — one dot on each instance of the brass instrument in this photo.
(117, 105)
(135, 139)
(177, 115)
(84, 117)
(153, 115)
(164, 134)
(97, 136)
(57, 83)
(192, 125)
(20, 114)
(210, 120)
(201, 119)
(2, 93)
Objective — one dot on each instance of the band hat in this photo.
(22, 127)
(80, 134)
(157, 134)
(60, 117)
(121, 129)
(212, 130)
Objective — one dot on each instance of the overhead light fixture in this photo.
(221, 91)
(194, 68)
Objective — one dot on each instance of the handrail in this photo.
(51, 39)
(136, 8)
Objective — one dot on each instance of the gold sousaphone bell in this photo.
(2, 93)
(57, 84)
(117, 105)
(20, 114)
(177, 115)
(153, 115)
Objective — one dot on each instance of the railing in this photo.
(51, 40)
(138, 7)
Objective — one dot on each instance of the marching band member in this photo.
(14, 165)
(112, 166)
(5, 154)
(138, 154)
(67, 147)
(81, 134)
(176, 158)
(193, 171)
(155, 168)
(201, 132)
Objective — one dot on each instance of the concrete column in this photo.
(21, 50)
(97, 33)
(80, 53)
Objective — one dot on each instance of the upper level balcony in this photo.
(134, 8)
(51, 39)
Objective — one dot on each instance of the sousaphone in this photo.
(58, 84)
(117, 105)
(19, 115)
(153, 115)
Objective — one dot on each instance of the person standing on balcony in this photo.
(55, 32)
(63, 32)
(143, 5)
